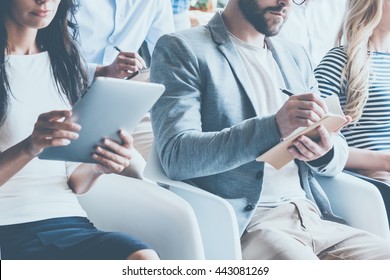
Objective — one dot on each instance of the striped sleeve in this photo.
(328, 72)
(372, 130)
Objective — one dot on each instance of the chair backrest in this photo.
(146, 211)
(358, 202)
(216, 217)
(383, 188)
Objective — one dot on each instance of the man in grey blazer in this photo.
(222, 108)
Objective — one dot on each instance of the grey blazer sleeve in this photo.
(337, 163)
(185, 150)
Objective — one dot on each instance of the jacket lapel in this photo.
(285, 61)
(221, 37)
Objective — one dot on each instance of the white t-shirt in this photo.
(38, 191)
(279, 186)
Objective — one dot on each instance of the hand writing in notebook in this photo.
(312, 121)
(299, 110)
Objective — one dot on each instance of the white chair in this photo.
(146, 211)
(216, 217)
(353, 199)
(382, 187)
(358, 202)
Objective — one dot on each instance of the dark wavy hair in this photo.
(58, 39)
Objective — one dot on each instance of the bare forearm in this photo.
(110, 157)
(136, 167)
(13, 160)
(368, 160)
(83, 178)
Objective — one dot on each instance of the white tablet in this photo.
(108, 106)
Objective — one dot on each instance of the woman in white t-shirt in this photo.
(41, 75)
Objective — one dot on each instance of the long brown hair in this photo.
(68, 68)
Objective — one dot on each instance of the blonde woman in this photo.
(359, 72)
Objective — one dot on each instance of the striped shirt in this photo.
(179, 6)
(372, 131)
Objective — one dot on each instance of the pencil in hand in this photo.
(285, 91)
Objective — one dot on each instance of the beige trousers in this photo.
(296, 231)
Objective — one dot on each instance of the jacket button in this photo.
(249, 207)
(259, 175)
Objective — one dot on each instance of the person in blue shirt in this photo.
(110, 35)
(181, 16)
(121, 24)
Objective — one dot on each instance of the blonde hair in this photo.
(360, 20)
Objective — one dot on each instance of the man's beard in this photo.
(256, 17)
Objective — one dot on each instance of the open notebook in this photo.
(278, 156)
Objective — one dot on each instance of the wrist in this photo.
(97, 170)
(281, 129)
(101, 71)
(324, 160)
(26, 148)
(386, 161)
(278, 128)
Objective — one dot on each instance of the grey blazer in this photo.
(207, 130)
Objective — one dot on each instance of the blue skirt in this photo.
(68, 238)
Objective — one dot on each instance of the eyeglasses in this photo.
(299, 2)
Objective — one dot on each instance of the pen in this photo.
(133, 74)
(285, 91)
(140, 71)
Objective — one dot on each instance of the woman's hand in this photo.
(51, 129)
(113, 157)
